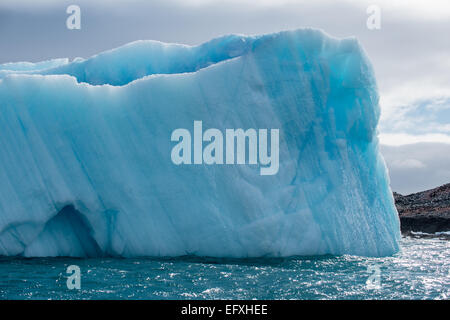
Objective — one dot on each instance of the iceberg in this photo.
(85, 152)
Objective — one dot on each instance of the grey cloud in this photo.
(420, 117)
(417, 167)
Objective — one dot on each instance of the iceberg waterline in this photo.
(86, 170)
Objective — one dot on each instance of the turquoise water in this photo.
(419, 271)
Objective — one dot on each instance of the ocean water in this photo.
(419, 271)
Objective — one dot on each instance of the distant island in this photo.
(426, 213)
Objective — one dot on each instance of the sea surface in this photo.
(419, 271)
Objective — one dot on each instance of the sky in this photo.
(410, 54)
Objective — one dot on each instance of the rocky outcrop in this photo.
(425, 212)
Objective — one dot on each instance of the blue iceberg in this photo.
(85, 152)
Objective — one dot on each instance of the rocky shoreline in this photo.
(426, 213)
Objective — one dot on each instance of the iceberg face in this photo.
(85, 152)
(29, 66)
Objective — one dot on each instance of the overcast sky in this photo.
(410, 53)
